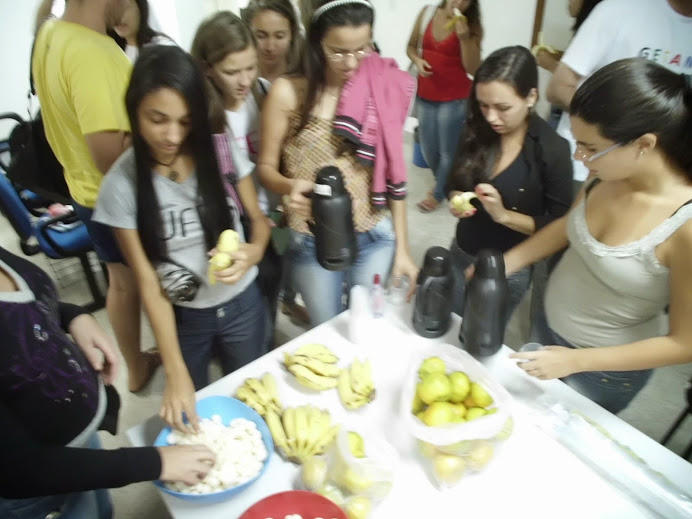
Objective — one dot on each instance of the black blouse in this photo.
(538, 183)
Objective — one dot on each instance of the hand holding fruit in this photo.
(549, 362)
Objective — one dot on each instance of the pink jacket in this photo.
(371, 113)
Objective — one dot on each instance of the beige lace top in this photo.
(314, 147)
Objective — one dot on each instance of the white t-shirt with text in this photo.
(618, 29)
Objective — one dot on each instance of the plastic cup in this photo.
(530, 346)
(398, 289)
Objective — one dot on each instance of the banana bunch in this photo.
(229, 241)
(302, 432)
(355, 385)
(260, 394)
(314, 366)
(458, 16)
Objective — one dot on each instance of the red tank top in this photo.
(449, 81)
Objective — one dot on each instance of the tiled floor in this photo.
(652, 412)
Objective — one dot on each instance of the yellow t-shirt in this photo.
(81, 77)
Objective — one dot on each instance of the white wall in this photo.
(16, 35)
(557, 31)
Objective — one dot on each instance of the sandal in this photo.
(152, 358)
(428, 205)
(298, 314)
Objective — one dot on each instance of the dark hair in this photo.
(285, 9)
(167, 66)
(480, 144)
(586, 8)
(145, 33)
(631, 97)
(473, 16)
(314, 60)
(221, 34)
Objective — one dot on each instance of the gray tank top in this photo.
(604, 296)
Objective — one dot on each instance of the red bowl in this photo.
(307, 504)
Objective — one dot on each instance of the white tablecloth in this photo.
(532, 475)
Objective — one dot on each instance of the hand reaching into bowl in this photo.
(188, 464)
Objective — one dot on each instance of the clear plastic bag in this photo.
(452, 450)
(349, 481)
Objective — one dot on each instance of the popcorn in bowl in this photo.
(239, 449)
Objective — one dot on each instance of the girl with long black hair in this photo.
(167, 204)
(516, 164)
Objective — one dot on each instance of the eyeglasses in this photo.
(339, 57)
(582, 155)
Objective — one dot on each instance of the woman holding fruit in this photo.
(445, 47)
(628, 238)
(300, 137)
(168, 206)
(516, 166)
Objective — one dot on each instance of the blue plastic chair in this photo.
(70, 243)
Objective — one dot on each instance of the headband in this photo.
(337, 3)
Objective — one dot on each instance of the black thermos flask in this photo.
(335, 236)
(485, 305)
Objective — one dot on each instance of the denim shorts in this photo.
(93, 504)
(322, 290)
(612, 390)
(101, 235)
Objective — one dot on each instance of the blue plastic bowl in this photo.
(228, 409)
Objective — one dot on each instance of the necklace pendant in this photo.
(173, 175)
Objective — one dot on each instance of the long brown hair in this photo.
(315, 62)
(285, 9)
(221, 34)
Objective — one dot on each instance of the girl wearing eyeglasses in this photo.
(298, 139)
(445, 49)
(628, 238)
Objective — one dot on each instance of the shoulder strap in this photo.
(679, 208)
(428, 14)
(593, 184)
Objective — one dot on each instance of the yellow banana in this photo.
(229, 241)
(260, 391)
(277, 429)
(289, 421)
(302, 431)
(458, 16)
(317, 351)
(245, 394)
(361, 379)
(270, 384)
(309, 379)
(218, 261)
(326, 439)
(316, 366)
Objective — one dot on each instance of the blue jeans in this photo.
(236, 329)
(323, 289)
(93, 504)
(441, 126)
(612, 390)
(518, 282)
